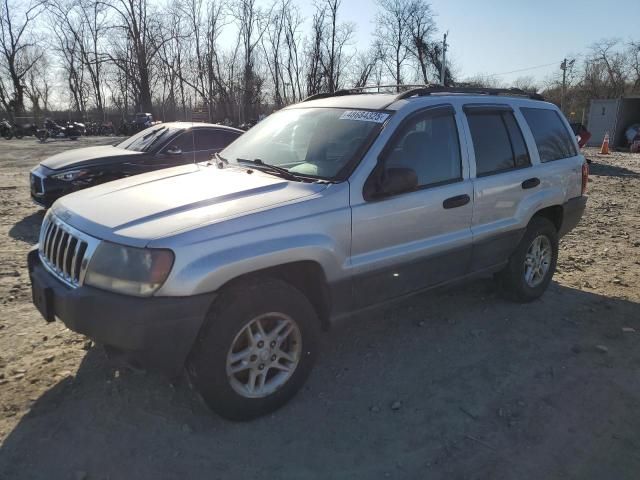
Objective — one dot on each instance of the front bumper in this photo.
(155, 333)
(46, 190)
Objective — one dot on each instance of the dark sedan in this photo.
(160, 146)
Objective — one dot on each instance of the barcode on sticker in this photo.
(364, 116)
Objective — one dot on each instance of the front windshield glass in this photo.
(316, 142)
(144, 140)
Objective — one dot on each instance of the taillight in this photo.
(585, 177)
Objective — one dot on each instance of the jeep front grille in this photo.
(65, 251)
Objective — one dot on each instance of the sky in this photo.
(497, 36)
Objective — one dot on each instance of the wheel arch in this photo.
(554, 214)
(308, 276)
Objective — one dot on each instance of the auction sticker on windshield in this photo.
(364, 116)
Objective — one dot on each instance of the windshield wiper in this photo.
(221, 161)
(152, 132)
(155, 139)
(265, 167)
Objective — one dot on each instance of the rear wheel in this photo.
(256, 350)
(533, 263)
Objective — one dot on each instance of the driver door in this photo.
(420, 238)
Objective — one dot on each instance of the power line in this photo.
(534, 67)
(525, 69)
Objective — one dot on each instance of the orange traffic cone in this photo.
(605, 145)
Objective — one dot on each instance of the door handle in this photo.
(455, 202)
(531, 183)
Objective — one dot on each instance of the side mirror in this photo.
(397, 180)
(173, 150)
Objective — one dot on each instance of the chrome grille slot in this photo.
(63, 250)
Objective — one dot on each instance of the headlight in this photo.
(129, 270)
(70, 175)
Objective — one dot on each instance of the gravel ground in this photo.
(454, 384)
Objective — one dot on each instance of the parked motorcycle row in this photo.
(9, 131)
(70, 130)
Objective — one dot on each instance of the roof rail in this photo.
(358, 90)
(430, 89)
(424, 90)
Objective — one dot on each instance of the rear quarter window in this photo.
(553, 139)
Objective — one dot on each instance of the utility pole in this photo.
(564, 66)
(443, 68)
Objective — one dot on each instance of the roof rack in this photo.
(424, 90)
(359, 90)
(430, 89)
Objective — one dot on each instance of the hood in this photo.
(138, 209)
(86, 156)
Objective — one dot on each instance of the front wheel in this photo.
(532, 264)
(256, 350)
(42, 135)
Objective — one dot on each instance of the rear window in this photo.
(553, 139)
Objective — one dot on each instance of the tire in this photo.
(513, 279)
(270, 302)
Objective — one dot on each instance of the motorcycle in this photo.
(5, 130)
(24, 130)
(51, 129)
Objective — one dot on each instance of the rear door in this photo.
(412, 240)
(503, 181)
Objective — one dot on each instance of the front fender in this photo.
(210, 272)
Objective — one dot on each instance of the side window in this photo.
(550, 133)
(497, 141)
(184, 142)
(429, 145)
(212, 139)
(228, 137)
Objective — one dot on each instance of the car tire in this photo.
(537, 252)
(271, 303)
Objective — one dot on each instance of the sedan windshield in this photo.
(314, 142)
(144, 140)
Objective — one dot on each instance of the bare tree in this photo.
(315, 52)
(37, 82)
(338, 36)
(527, 83)
(392, 32)
(251, 23)
(272, 44)
(71, 63)
(420, 28)
(293, 67)
(604, 71)
(135, 52)
(365, 66)
(17, 21)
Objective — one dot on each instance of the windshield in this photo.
(316, 142)
(142, 141)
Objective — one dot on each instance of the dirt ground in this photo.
(454, 384)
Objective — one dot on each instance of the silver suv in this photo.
(331, 206)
